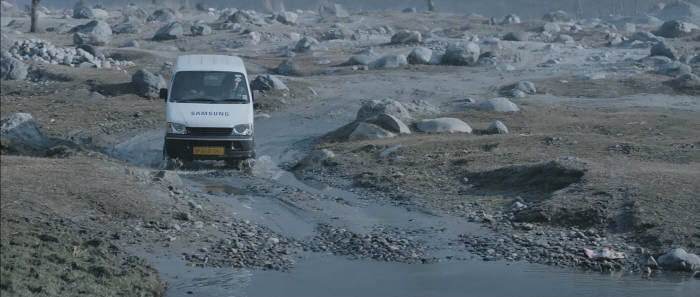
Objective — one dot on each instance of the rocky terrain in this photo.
(564, 141)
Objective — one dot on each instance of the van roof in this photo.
(209, 62)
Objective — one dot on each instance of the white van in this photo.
(209, 110)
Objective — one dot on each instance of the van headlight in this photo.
(244, 129)
(176, 128)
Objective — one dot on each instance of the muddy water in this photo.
(316, 274)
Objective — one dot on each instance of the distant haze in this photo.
(493, 8)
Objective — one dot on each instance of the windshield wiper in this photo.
(196, 100)
(234, 100)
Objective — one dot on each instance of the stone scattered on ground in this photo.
(148, 84)
(12, 69)
(497, 127)
(170, 31)
(267, 82)
(443, 125)
(499, 104)
(367, 131)
(93, 33)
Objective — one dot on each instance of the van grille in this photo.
(210, 131)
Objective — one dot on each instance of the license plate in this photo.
(208, 150)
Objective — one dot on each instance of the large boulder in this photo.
(680, 10)
(664, 49)
(332, 10)
(557, 16)
(93, 33)
(389, 62)
(12, 69)
(20, 133)
(287, 18)
(406, 36)
(526, 87)
(510, 19)
(148, 84)
(240, 17)
(82, 11)
(499, 104)
(688, 81)
(391, 123)
(673, 29)
(497, 127)
(370, 109)
(443, 125)
(461, 54)
(420, 55)
(674, 69)
(200, 29)
(126, 28)
(100, 14)
(362, 60)
(170, 31)
(267, 82)
(289, 68)
(517, 36)
(162, 15)
(365, 131)
(551, 28)
(679, 259)
(305, 44)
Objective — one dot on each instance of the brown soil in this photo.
(639, 177)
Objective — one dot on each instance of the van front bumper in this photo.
(235, 147)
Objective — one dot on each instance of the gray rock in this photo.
(674, 69)
(305, 44)
(19, 132)
(510, 19)
(331, 10)
(410, 10)
(517, 36)
(461, 55)
(170, 31)
(148, 84)
(664, 49)
(389, 62)
(515, 93)
(132, 43)
(499, 104)
(162, 15)
(680, 10)
(82, 11)
(239, 17)
(267, 82)
(566, 39)
(673, 29)
(679, 259)
(391, 123)
(12, 69)
(126, 28)
(93, 50)
(443, 125)
(362, 60)
(557, 16)
(372, 108)
(420, 55)
(365, 131)
(551, 28)
(497, 127)
(527, 87)
(200, 29)
(94, 33)
(289, 67)
(686, 81)
(287, 18)
(96, 95)
(655, 61)
(645, 37)
(316, 158)
(406, 36)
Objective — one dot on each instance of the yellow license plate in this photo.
(208, 150)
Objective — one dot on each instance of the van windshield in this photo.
(209, 87)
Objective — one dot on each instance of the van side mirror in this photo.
(164, 94)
